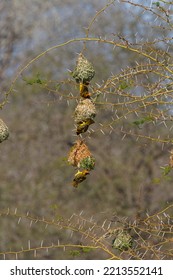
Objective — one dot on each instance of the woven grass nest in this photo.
(80, 156)
(85, 110)
(84, 71)
(4, 133)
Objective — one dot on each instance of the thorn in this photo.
(123, 136)
(102, 131)
(29, 245)
(81, 213)
(46, 226)
(35, 253)
(103, 224)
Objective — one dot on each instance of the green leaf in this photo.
(140, 122)
(74, 253)
(34, 80)
(59, 218)
(157, 4)
(156, 181)
(86, 249)
(58, 86)
(166, 170)
(125, 85)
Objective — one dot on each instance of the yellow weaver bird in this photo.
(79, 177)
(84, 90)
(83, 126)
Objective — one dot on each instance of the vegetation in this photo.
(123, 208)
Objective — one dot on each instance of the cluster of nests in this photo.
(85, 112)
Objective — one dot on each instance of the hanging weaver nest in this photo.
(123, 241)
(84, 71)
(4, 133)
(84, 111)
(80, 156)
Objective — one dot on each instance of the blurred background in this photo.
(34, 174)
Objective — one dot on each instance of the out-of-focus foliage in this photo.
(130, 45)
